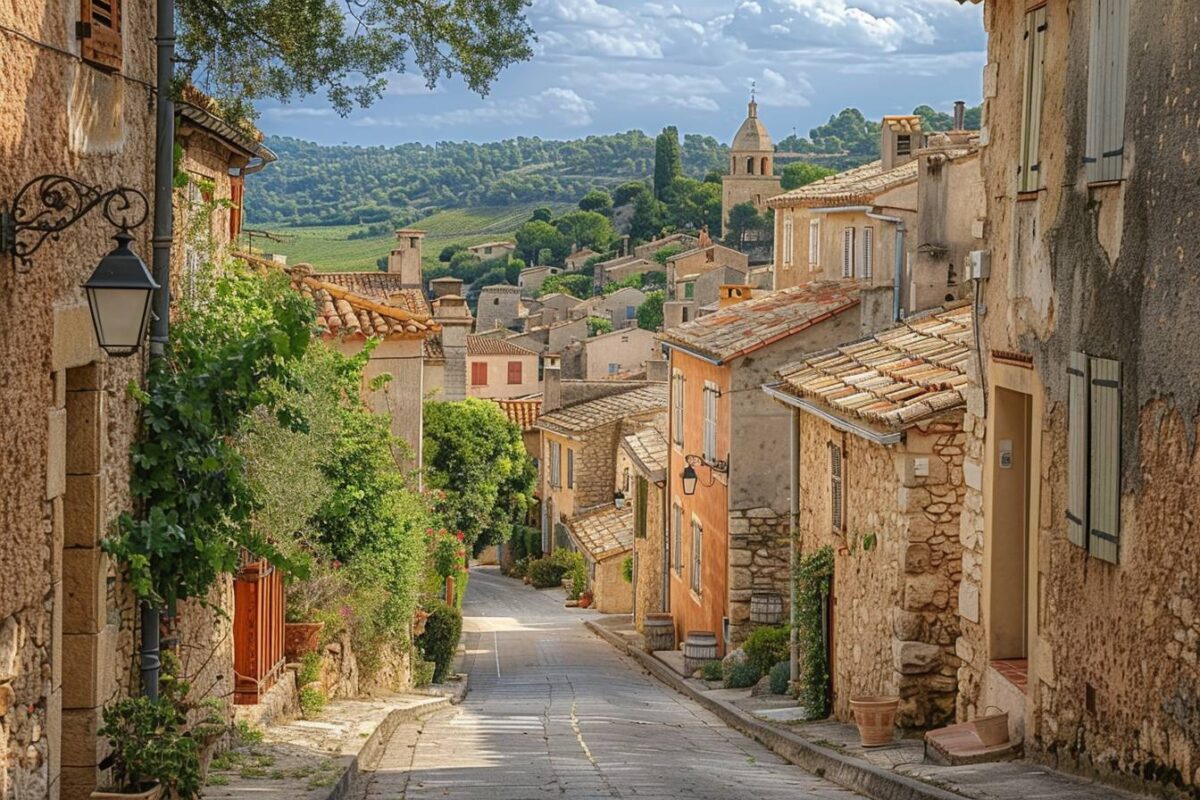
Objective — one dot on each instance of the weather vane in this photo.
(753, 90)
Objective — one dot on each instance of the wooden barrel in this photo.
(766, 608)
(659, 630)
(699, 648)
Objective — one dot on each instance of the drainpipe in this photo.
(897, 311)
(793, 537)
(164, 232)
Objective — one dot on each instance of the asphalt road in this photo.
(555, 712)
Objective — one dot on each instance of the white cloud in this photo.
(564, 106)
(779, 90)
(621, 45)
(297, 112)
(408, 84)
(580, 12)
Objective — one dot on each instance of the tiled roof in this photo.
(591, 414)
(385, 287)
(859, 185)
(747, 326)
(491, 346)
(433, 349)
(895, 378)
(341, 312)
(604, 533)
(648, 449)
(522, 413)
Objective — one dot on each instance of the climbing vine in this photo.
(813, 576)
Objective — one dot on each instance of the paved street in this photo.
(555, 712)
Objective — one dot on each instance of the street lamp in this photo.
(619, 499)
(119, 292)
(691, 479)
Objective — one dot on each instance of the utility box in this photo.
(981, 264)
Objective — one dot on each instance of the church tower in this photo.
(751, 176)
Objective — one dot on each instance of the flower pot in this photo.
(875, 717)
(153, 793)
(992, 729)
(585, 601)
(300, 638)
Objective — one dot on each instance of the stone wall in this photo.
(648, 560)
(759, 541)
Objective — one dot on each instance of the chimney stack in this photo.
(732, 294)
(405, 258)
(442, 287)
(551, 386)
(960, 115)
(451, 312)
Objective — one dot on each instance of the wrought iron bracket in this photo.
(701, 461)
(48, 205)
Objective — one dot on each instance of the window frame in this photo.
(695, 573)
(519, 371)
(837, 485)
(475, 372)
(712, 394)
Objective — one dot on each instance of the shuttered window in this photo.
(866, 256)
(697, 548)
(788, 240)
(677, 540)
(570, 468)
(639, 511)
(848, 253)
(711, 393)
(1094, 455)
(479, 374)
(555, 464)
(837, 494)
(514, 373)
(1107, 57)
(814, 243)
(1029, 168)
(677, 407)
(100, 33)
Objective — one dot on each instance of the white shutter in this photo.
(814, 243)
(1078, 400)
(677, 400)
(1107, 57)
(866, 255)
(1104, 507)
(1029, 168)
(848, 253)
(787, 240)
(836, 496)
(710, 422)
(677, 539)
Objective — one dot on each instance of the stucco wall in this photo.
(629, 349)
(401, 397)
(497, 386)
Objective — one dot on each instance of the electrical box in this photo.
(1006, 453)
(921, 467)
(981, 264)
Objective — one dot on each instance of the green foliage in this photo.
(650, 312)
(440, 639)
(310, 669)
(629, 192)
(780, 675)
(814, 577)
(649, 217)
(745, 220)
(712, 671)
(667, 161)
(545, 573)
(535, 236)
(597, 200)
(742, 676)
(665, 254)
(577, 285)
(598, 326)
(423, 672)
(848, 135)
(692, 205)
(573, 567)
(542, 214)
(477, 467)
(801, 173)
(246, 733)
(767, 646)
(446, 552)
(934, 120)
(627, 569)
(448, 252)
(312, 701)
(586, 229)
(232, 353)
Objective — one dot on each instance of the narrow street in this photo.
(555, 712)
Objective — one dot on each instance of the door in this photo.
(1009, 607)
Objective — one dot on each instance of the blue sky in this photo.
(602, 66)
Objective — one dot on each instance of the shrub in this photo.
(423, 672)
(627, 569)
(766, 647)
(544, 573)
(781, 675)
(312, 701)
(149, 744)
(742, 676)
(440, 639)
(712, 671)
(519, 569)
(310, 669)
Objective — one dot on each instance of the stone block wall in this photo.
(759, 542)
(648, 555)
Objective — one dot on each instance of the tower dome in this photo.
(752, 136)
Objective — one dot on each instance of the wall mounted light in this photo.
(690, 477)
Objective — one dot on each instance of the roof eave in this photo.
(880, 437)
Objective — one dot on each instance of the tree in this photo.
(574, 284)
(744, 219)
(801, 173)
(449, 251)
(542, 214)
(649, 216)
(650, 312)
(597, 200)
(599, 325)
(692, 204)
(629, 193)
(476, 463)
(586, 229)
(283, 49)
(536, 235)
(667, 165)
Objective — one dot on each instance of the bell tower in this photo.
(751, 175)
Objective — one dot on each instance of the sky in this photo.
(604, 66)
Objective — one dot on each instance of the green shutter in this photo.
(643, 490)
(1104, 507)
(1078, 400)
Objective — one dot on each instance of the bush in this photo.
(423, 672)
(572, 565)
(627, 569)
(312, 701)
(519, 569)
(766, 647)
(544, 573)
(781, 675)
(712, 671)
(310, 669)
(440, 639)
(742, 676)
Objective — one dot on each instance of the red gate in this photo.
(258, 659)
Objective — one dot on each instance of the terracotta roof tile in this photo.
(385, 287)
(341, 312)
(896, 378)
(859, 185)
(491, 346)
(590, 414)
(523, 413)
(604, 533)
(648, 449)
(747, 326)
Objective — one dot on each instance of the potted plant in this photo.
(300, 638)
(875, 718)
(585, 599)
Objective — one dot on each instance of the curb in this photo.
(373, 748)
(851, 773)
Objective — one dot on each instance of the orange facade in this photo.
(706, 610)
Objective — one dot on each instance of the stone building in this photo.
(500, 370)
(618, 354)
(751, 177)
(729, 539)
(605, 537)
(530, 279)
(641, 260)
(498, 306)
(642, 478)
(880, 481)
(1081, 459)
(691, 264)
(619, 308)
(492, 250)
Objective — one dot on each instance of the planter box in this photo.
(153, 793)
(301, 638)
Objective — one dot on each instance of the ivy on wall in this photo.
(814, 578)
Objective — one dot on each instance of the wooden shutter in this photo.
(710, 422)
(866, 257)
(1104, 507)
(100, 33)
(787, 240)
(814, 243)
(1107, 57)
(514, 372)
(479, 372)
(1029, 168)
(697, 548)
(837, 499)
(1078, 400)
(678, 401)
(677, 543)
(570, 468)
(848, 253)
(643, 493)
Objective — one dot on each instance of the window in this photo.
(788, 242)
(570, 468)
(1029, 167)
(555, 464)
(479, 372)
(1094, 455)
(630, 312)
(689, 290)
(514, 373)
(639, 514)
(814, 243)
(848, 253)
(711, 393)
(677, 407)
(613, 368)
(677, 540)
(1107, 57)
(866, 255)
(625, 481)
(697, 543)
(99, 29)
(837, 487)
(904, 144)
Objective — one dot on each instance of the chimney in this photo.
(451, 312)
(960, 115)
(405, 258)
(442, 287)
(658, 369)
(551, 386)
(900, 137)
(732, 294)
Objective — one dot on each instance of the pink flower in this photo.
(459, 536)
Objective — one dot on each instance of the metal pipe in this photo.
(898, 277)
(150, 660)
(793, 537)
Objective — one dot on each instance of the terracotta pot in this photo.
(875, 717)
(992, 729)
(300, 638)
(527, 580)
(585, 601)
(153, 793)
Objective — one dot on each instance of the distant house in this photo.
(578, 259)
(498, 306)
(499, 369)
(492, 250)
(619, 308)
(605, 537)
(641, 260)
(691, 264)
(530, 279)
(618, 353)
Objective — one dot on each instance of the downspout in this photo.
(898, 277)
(664, 603)
(793, 538)
(150, 660)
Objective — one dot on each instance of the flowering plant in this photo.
(446, 552)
